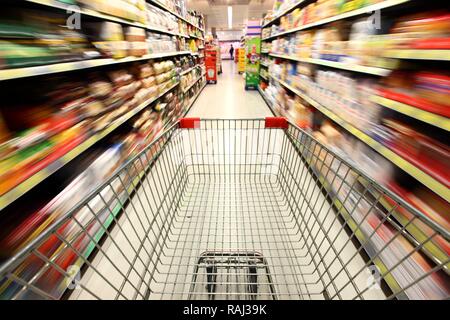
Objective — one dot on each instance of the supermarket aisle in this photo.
(228, 99)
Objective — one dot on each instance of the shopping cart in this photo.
(235, 209)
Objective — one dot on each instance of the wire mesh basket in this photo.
(235, 209)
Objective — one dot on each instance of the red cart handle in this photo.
(276, 122)
(270, 122)
(189, 123)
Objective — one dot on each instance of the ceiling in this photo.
(216, 15)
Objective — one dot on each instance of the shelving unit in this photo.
(161, 6)
(43, 174)
(98, 15)
(283, 12)
(16, 73)
(191, 85)
(425, 116)
(189, 70)
(354, 13)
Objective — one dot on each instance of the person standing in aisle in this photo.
(232, 52)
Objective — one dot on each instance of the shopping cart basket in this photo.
(235, 209)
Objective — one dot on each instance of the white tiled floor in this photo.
(228, 99)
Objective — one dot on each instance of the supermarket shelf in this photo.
(400, 162)
(16, 73)
(264, 77)
(425, 116)
(443, 55)
(378, 6)
(287, 10)
(265, 51)
(264, 64)
(189, 70)
(43, 174)
(194, 53)
(162, 6)
(191, 85)
(194, 99)
(92, 13)
(337, 65)
(188, 108)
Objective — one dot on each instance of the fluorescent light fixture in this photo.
(230, 17)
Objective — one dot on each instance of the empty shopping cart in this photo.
(235, 209)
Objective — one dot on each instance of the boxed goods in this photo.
(108, 38)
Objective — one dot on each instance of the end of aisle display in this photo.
(252, 54)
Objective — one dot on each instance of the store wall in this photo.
(227, 38)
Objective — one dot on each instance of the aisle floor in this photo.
(228, 99)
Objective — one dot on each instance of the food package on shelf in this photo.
(108, 38)
(426, 30)
(137, 42)
(36, 144)
(157, 43)
(25, 43)
(100, 88)
(161, 19)
(143, 70)
(149, 82)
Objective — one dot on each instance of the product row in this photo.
(145, 12)
(351, 98)
(30, 38)
(359, 43)
(179, 7)
(65, 111)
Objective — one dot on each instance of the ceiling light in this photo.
(230, 17)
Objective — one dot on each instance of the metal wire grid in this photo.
(235, 189)
(242, 219)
